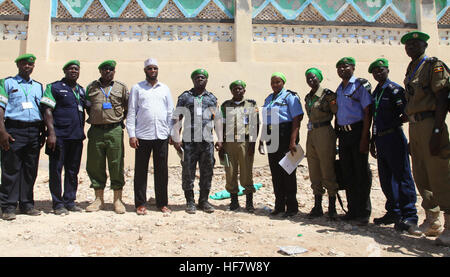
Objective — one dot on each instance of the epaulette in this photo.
(251, 101)
(226, 102)
(214, 97)
(327, 91)
(431, 59)
(365, 83)
(123, 84)
(184, 92)
(293, 92)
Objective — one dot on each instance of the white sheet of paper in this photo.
(289, 163)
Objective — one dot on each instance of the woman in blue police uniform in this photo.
(282, 112)
(390, 148)
(20, 138)
(64, 103)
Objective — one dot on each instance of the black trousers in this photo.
(284, 185)
(160, 150)
(19, 169)
(68, 155)
(356, 173)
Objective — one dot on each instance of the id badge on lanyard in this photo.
(198, 109)
(26, 105)
(106, 105)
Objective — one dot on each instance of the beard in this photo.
(151, 77)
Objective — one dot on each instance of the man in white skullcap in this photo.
(150, 108)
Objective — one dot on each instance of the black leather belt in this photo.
(107, 126)
(320, 124)
(420, 116)
(350, 127)
(10, 123)
(388, 131)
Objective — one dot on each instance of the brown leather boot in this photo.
(98, 203)
(431, 227)
(119, 208)
(444, 238)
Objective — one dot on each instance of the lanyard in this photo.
(311, 103)
(199, 99)
(415, 69)
(273, 100)
(106, 95)
(377, 102)
(76, 92)
(24, 91)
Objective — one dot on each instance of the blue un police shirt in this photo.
(286, 106)
(21, 99)
(352, 110)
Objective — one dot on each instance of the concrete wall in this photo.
(244, 58)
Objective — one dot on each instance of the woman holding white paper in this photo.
(320, 105)
(282, 115)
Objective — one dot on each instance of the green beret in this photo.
(378, 63)
(414, 35)
(346, 60)
(238, 83)
(199, 71)
(316, 72)
(279, 75)
(75, 62)
(28, 57)
(107, 63)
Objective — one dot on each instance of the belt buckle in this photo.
(347, 128)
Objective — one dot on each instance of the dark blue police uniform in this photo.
(68, 119)
(392, 152)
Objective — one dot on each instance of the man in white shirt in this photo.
(149, 121)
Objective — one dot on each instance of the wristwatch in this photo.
(436, 130)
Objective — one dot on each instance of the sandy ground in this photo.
(220, 234)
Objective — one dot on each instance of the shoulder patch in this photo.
(437, 69)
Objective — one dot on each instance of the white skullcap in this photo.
(150, 61)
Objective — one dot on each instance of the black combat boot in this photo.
(249, 203)
(317, 209)
(203, 203)
(190, 202)
(332, 214)
(234, 205)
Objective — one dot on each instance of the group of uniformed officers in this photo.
(32, 116)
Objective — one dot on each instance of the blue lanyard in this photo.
(415, 69)
(273, 100)
(106, 95)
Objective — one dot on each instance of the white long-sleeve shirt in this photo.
(149, 111)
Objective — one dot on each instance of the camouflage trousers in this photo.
(203, 154)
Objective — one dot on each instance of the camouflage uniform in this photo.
(198, 142)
